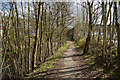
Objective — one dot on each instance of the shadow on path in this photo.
(70, 65)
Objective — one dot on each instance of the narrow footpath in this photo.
(71, 65)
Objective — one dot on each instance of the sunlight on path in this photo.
(68, 62)
(71, 65)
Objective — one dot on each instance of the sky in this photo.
(56, 0)
(0, 4)
(119, 14)
(73, 8)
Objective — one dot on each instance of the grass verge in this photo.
(81, 43)
(49, 63)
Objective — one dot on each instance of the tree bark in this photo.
(36, 38)
(88, 39)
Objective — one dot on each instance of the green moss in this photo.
(49, 63)
(81, 42)
(90, 63)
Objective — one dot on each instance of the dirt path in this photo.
(71, 65)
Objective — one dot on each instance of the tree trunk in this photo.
(25, 52)
(118, 32)
(88, 39)
(36, 38)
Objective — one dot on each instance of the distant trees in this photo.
(101, 29)
(103, 39)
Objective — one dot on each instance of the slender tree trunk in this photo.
(118, 26)
(18, 43)
(104, 28)
(110, 33)
(118, 32)
(88, 39)
(28, 54)
(51, 45)
(25, 52)
(41, 31)
(36, 38)
(47, 41)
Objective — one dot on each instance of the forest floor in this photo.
(72, 64)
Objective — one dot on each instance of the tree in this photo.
(88, 39)
(36, 37)
(118, 31)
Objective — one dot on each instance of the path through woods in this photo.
(71, 65)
